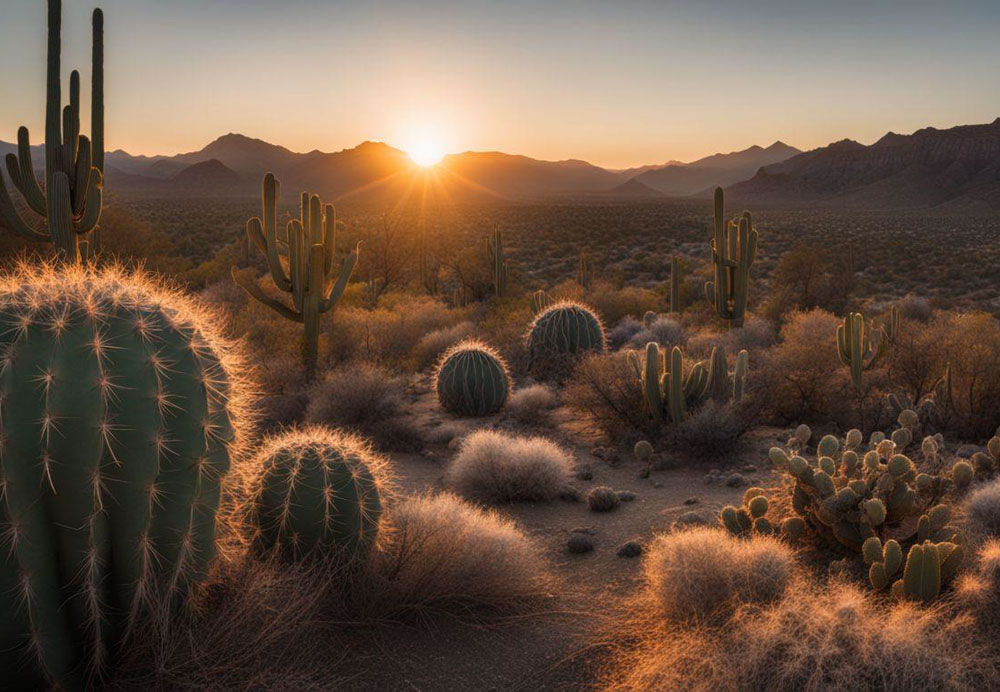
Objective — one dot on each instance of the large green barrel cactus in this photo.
(472, 380)
(318, 492)
(119, 411)
(564, 329)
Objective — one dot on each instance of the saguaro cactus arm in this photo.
(734, 249)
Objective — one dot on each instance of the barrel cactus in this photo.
(562, 330)
(318, 493)
(472, 380)
(120, 409)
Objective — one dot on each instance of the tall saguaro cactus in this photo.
(301, 262)
(856, 347)
(498, 262)
(74, 164)
(734, 248)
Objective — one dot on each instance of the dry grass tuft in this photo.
(530, 404)
(982, 510)
(494, 467)
(978, 591)
(428, 350)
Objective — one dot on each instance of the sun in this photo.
(425, 152)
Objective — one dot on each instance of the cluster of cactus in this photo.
(669, 392)
(846, 497)
(120, 410)
(318, 493)
(564, 329)
(72, 197)
(860, 346)
(734, 248)
(584, 275)
(675, 284)
(301, 262)
(472, 380)
(750, 519)
(929, 565)
(986, 463)
(498, 262)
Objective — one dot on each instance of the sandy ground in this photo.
(548, 651)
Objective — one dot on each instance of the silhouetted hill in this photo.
(634, 188)
(207, 175)
(957, 167)
(715, 170)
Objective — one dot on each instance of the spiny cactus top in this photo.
(565, 328)
(472, 380)
(119, 411)
(317, 491)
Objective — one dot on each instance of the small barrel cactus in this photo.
(120, 409)
(602, 499)
(318, 492)
(472, 380)
(564, 329)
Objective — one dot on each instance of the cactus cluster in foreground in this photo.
(120, 412)
(71, 199)
(318, 493)
(472, 380)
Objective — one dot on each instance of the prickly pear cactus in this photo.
(318, 492)
(563, 330)
(472, 380)
(120, 411)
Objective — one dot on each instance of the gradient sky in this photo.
(617, 83)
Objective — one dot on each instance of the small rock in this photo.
(585, 473)
(626, 495)
(690, 518)
(662, 463)
(736, 480)
(598, 452)
(691, 501)
(749, 468)
(644, 473)
(570, 493)
(630, 549)
(580, 543)
(711, 479)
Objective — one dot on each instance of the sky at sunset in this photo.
(615, 83)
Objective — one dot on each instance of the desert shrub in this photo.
(756, 335)
(495, 467)
(530, 404)
(623, 332)
(711, 431)
(982, 509)
(367, 399)
(445, 554)
(702, 573)
(602, 499)
(801, 379)
(607, 389)
(978, 590)
(914, 308)
(433, 344)
(817, 637)
(664, 330)
(614, 303)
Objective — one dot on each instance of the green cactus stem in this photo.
(301, 262)
(72, 198)
(540, 300)
(120, 408)
(856, 346)
(734, 248)
(584, 275)
(498, 262)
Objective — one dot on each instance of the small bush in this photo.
(530, 404)
(494, 467)
(433, 344)
(607, 389)
(614, 303)
(702, 573)
(602, 499)
(623, 332)
(914, 308)
(367, 399)
(711, 431)
(982, 509)
(978, 591)
(666, 331)
(445, 554)
(756, 335)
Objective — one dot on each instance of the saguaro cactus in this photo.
(584, 276)
(734, 248)
(74, 164)
(120, 409)
(301, 263)
(856, 347)
(498, 262)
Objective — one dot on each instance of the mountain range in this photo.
(952, 168)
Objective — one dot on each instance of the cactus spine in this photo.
(74, 164)
(472, 380)
(498, 262)
(307, 248)
(734, 248)
(675, 284)
(855, 345)
(119, 408)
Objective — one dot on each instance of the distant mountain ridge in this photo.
(956, 168)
